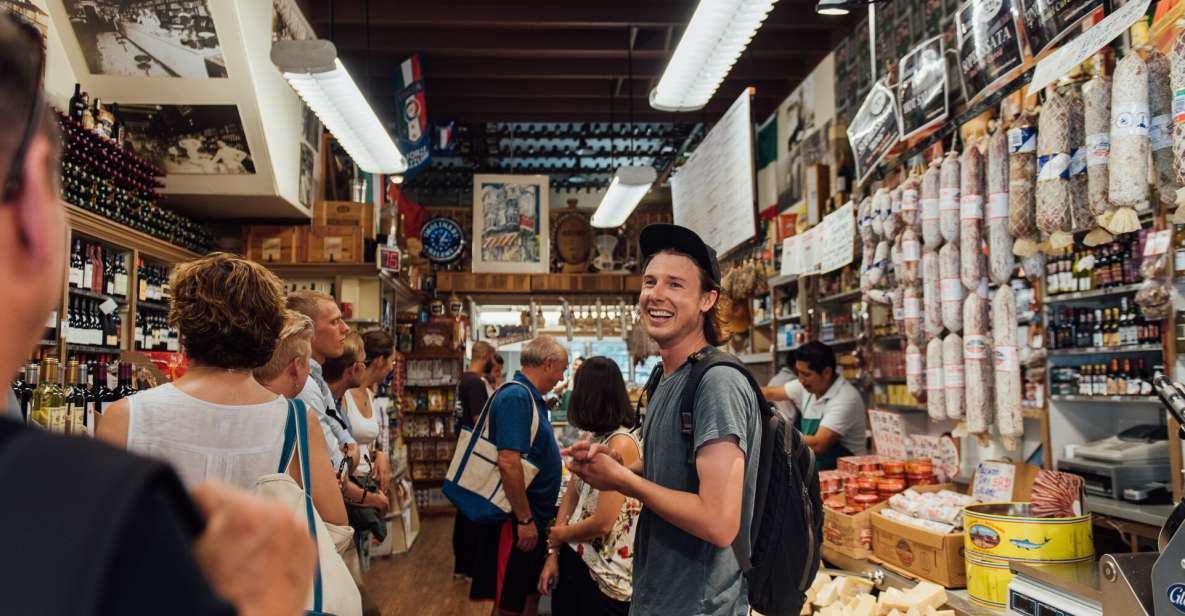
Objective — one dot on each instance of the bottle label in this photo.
(998, 206)
(76, 420)
(1160, 133)
(934, 379)
(975, 346)
(76, 276)
(929, 209)
(57, 419)
(1006, 359)
(121, 284)
(1129, 120)
(952, 290)
(972, 208)
(1098, 149)
(1022, 139)
(953, 376)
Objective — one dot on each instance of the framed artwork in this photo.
(510, 224)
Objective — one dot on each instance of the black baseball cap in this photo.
(658, 237)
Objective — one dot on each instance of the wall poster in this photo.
(189, 139)
(147, 38)
(875, 129)
(924, 90)
(1047, 21)
(989, 45)
(510, 224)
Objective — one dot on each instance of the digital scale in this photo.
(1054, 591)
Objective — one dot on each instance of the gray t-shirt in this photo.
(674, 571)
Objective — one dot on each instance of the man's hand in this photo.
(583, 451)
(528, 536)
(254, 552)
(599, 466)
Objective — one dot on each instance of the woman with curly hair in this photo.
(217, 421)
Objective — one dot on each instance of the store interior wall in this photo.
(59, 75)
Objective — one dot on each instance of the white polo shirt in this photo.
(840, 410)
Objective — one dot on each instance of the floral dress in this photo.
(610, 559)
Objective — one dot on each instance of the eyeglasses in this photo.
(16, 172)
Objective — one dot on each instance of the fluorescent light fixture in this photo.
(715, 37)
(629, 185)
(832, 7)
(315, 72)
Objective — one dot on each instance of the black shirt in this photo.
(89, 529)
(471, 398)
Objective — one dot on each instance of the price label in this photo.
(913, 307)
(952, 290)
(1158, 243)
(934, 379)
(998, 206)
(953, 376)
(913, 364)
(930, 209)
(972, 207)
(911, 250)
(1006, 359)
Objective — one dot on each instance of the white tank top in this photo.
(365, 430)
(202, 440)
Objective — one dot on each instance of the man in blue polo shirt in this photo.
(522, 548)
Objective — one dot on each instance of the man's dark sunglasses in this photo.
(16, 171)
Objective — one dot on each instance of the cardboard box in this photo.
(272, 244)
(921, 552)
(335, 245)
(346, 214)
(848, 534)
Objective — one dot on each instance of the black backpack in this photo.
(787, 526)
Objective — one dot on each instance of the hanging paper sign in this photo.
(1047, 21)
(791, 252)
(875, 129)
(1086, 44)
(838, 239)
(810, 250)
(989, 45)
(889, 433)
(924, 89)
(411, 126)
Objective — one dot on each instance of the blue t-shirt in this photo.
(510, 428)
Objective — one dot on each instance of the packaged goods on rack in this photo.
(943, 506)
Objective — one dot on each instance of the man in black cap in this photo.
(691, 514)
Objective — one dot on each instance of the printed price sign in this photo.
(1047, 21)
(889, 433)
(994, 481)
(875, 129)
(989, 44)
(924, 88)
(1086, 44)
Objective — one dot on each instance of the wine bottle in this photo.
(72, 421)
(142, 278)
(77, 103)
(76, 264)
(125, 387)
(121, 276)
(49, 403)
(88, 114)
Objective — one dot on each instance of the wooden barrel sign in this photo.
(573, 239)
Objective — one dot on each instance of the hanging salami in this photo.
(952, 375)
(931, 293)
(911, 256)
(910, 194)
(931, 229)
(1009, 416)
(1022, 186)
(1096, 96)
(971, 216)
(1160, 131)
(935, 394)
(1000, 258)
(1130, 146)
(880, 211)
(951, 287)
(1080, 218)
(914, 375)
(913, 314)
(1053, 171)
(977, 366)
(948, 198)
(893, 222)
(1177, 82)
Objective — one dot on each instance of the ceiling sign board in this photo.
(924, 89)
(712, 194)
(1086, 44)
(1047, 21)
(875, 129)
(838, 238)
(989, 45)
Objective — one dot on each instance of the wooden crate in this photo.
(576, 283)
(345, 214)
(335, 245)
(273, 244)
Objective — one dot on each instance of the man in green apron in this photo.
(830, 411)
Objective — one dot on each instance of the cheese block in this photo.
(926, 595)
(861, 605)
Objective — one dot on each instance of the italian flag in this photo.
(409, 72)
(767, 164)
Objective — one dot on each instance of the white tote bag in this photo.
(334, 590)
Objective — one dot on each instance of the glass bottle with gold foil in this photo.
(75, 399)
(48, 399)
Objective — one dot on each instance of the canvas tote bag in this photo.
(334, 591)
(473, 482)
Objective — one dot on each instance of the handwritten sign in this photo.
(941, 450)
(989, 44)
(1086, 44)
(889, 433)
(994, 481)
(1158, 243)
(874, 130)
(791, 252)
(924, 88)
(1047, 21)
(838, 239)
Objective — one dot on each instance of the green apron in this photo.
(827, 460)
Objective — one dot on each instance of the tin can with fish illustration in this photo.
(988, 578)
(996, 534)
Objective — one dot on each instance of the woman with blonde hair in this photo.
(217, 421)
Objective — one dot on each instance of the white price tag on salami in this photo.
(972, 208)
(1023, 139)
(909, 199)
(1006, 359)
(913, 363)
(952, 290)
(913, 307)
(930, 209)
(911, 250)
(953, 376)
(1098, 149)
(997, 206)
(1160, 133)
(948, 200)
(975, 346)
(1130, 120)
(934, 379)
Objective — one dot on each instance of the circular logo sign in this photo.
(443, 239)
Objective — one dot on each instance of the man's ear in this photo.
(709, 300)
(34, 202)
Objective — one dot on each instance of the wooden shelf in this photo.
(1033, 413)
(756, 358)
(895, 339)
(47, 343)
(763, 323)
(90, 348)
(841, 342)
(1131, 348)
(894, 380)
(322, 270)
(151, 304)
(93, 225)
(1108, 399)
(846, 296)
(1080, 295)
(781, 281)
(437, 509)
(98, 296)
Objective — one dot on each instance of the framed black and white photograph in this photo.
(147, 38)
(308, 175)
(190, 139)
(288, 24)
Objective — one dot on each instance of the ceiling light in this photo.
(715, 37)
(318, 76)
(629, 185)
(832, 7)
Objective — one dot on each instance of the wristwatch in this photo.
(529, 520)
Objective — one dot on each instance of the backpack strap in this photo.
(701, 362)
(651, 386)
